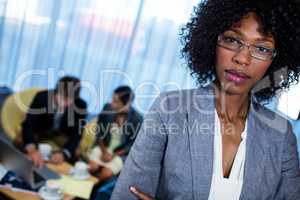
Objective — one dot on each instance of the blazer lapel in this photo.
(201, 132)
(200, 116)
(256, 146)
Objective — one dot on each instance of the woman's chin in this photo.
(235, 89)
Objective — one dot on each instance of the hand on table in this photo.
(139, 194)
(35, 156)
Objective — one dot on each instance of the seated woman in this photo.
(118, 124)
(218, 141)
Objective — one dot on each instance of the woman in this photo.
(118, 125)
(218, 141)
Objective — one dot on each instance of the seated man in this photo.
(118, 125)
(55, 116)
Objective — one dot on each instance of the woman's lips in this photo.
(236, 77)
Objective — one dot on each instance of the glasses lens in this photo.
(262, 52)
(259, 52)
(229, 42)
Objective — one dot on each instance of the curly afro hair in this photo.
(281, 18)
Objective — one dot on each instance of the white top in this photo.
(227, 188)
(116, 136)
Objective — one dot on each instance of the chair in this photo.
(88, 138)
(4, 93)
(104, 190)
(14, 110)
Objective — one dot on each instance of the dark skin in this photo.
(232, 98)
(106, 173)
(235, 96)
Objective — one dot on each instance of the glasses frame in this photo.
(245, 44)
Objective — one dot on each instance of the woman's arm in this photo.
(143, 165)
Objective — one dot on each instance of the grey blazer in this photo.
(172, 157)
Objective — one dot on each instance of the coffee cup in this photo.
(51, 191)
(80, 169)
(46, 150)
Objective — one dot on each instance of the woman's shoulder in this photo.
(184, 92)
(262, 112)
(276, 125)
(186, 98)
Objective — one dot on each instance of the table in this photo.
(63, 168)
(25, 195)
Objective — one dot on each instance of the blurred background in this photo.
(105, 44)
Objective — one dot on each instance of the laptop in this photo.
(14, 160)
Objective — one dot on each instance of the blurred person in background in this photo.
(55, 117)
(118, 125)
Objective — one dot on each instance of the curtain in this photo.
(104, 43)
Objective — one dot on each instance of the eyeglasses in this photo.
(256, 51)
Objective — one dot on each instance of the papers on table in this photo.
(73, 187)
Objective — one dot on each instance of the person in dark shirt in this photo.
(58, 116)
(118, 125)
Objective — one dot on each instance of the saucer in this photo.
(79, 176)
(44, 195)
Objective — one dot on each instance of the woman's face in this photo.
(237, 70)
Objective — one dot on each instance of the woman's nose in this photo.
(243, 56)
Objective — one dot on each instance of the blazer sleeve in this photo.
(75, 131)
(289, 187)
(143, 164)
(36, 109)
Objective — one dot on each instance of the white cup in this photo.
(46, 150)
(80, 169)
(51, 191)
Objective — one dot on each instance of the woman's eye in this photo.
(231, 40)
(263, 49)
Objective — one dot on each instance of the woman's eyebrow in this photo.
(261, 39)
(265, 39)
(235, 31)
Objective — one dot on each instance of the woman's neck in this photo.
(231, 107)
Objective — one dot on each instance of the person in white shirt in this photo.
(118, 125)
